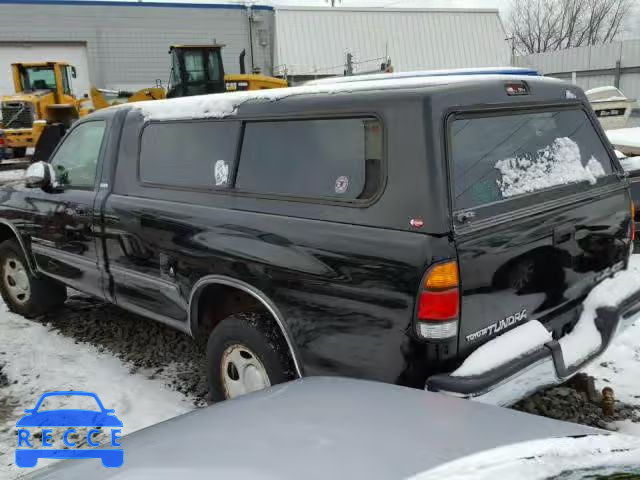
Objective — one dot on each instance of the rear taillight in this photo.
(1, 141)
(439, 302)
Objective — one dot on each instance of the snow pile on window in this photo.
(595, 167)
(513, 344)
(557, 164)
(630, 163)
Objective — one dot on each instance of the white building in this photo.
(124, 45)
(121, 44)
(616, 63)
(314, 42)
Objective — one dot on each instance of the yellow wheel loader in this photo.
(198, 70)
(102, 98)
(43, 98)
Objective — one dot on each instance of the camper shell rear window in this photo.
(499, 156)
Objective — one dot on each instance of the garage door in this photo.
(74, 54)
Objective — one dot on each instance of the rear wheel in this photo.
(245, 354)
(23, 292)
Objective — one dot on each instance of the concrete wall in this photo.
(594, 66)
(128, 42)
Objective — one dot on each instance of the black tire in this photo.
(19, 152)
(258, 334)
(44, 295)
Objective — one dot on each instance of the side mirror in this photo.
(73, 72)
(40, 175)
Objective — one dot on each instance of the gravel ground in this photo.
(153, 349)
(146, 345)
(567, 403)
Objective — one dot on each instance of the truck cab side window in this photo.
(76, 160)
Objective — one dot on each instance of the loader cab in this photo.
(195, 70)
(40, 77)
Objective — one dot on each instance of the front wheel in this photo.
(245, 354)
(23, 292)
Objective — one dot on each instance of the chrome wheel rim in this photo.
(16, 280)
(242, 372)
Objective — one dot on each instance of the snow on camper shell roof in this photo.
(222, 105)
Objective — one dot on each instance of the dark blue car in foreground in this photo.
(28, 457)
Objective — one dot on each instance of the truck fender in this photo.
(254, 292)
(4, 224)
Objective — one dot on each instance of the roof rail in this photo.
(428, 73)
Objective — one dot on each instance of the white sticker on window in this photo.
(221, 171)
(342, 183)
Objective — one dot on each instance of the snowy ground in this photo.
(34, 359)
(148, 372)
(10, 175)
(619, 368)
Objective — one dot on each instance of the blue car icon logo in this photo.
(68, 418)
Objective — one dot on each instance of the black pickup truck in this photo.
(381, 229)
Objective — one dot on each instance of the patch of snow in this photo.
(627, 427)
(513, 344)
(630, 163)
(625, 137)
(581, 342)
(614, 98)
(585, 338)
(595, 167)
(619, 154)
(557, 164)
(36, 359)
(618, 367)
(10, 175)
(225, 104)
(604, 93)
(541, 459)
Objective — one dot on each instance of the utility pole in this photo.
(333, 2)
(349, 66)
(512, 39)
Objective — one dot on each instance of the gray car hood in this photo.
(319, 428)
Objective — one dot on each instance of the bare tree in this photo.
(545, 25)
